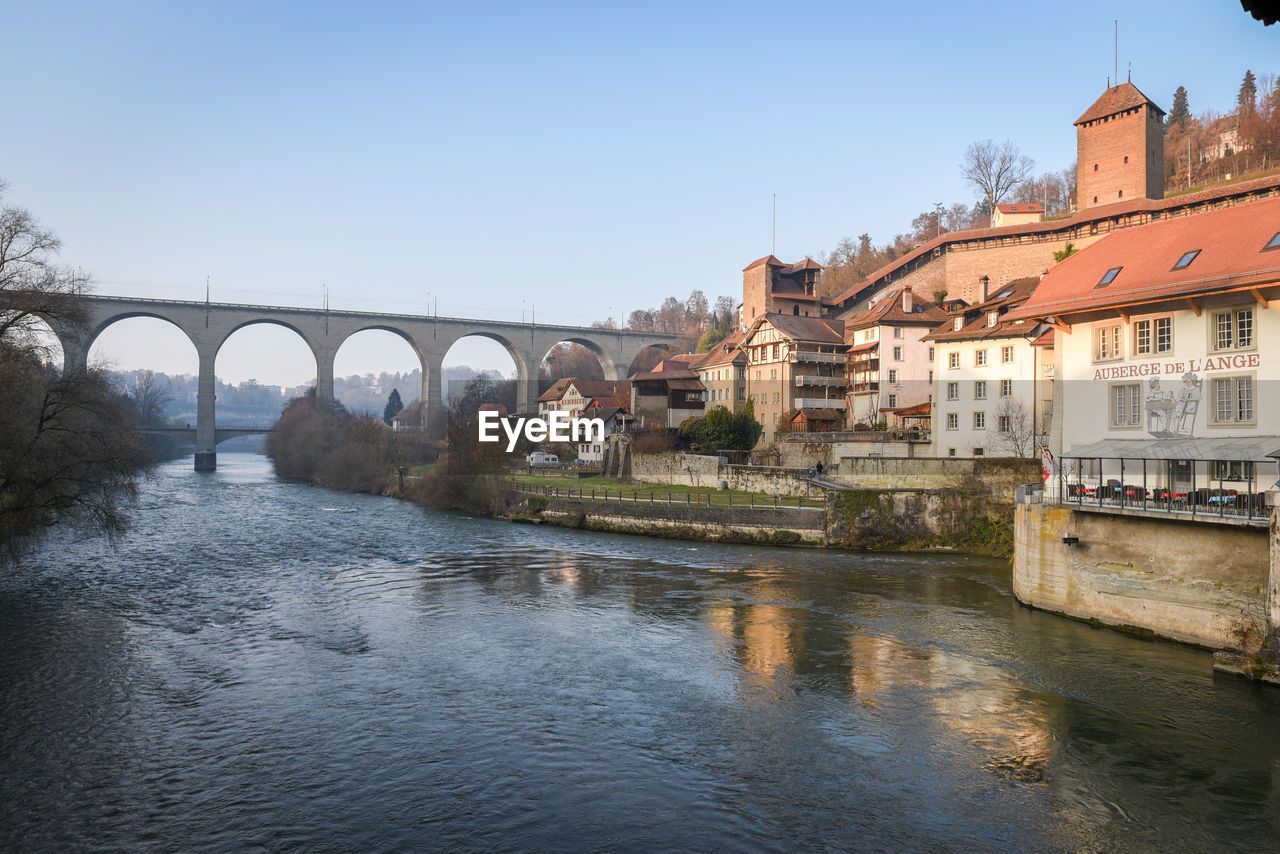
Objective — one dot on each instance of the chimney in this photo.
(908, 301)
(986, 282)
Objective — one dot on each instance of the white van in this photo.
(538, 459)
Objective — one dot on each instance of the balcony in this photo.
(823, 358)
(810, 379)
(865, 387)
(820, 403)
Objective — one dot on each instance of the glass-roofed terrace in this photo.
(1212, 479)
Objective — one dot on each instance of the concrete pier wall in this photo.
(1192, 581)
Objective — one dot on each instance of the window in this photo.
(953, 360)
(893, 377)
(897, 354)
(977, 452)
(1106, 342)
(1232, 329)
(775, 352)
(1006, 388)
(951, 452)
(1185, 261)
(757, 376)
(931, 376)
(958, 324)
(953, 422)
(1152, 336)
(1233, 400)
(1108, 277)
(893, 401)
(1232, 470)
(1002, 423)
(993, 317)
(1273, 243)
(979, 421)
(1126, 158)
(776, 397)
(1006, 354)
(897, 332)
(1126, 405)
(930, 354)
(980, 358)
(773, 373)
(953, 391)
(980, 390)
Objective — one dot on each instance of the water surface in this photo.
(270, 666)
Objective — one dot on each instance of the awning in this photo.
(1258, 449)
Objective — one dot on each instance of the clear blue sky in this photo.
(585, 158)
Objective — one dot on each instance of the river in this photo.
(268, 666)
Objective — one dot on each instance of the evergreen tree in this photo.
(393, 407)
(1180, 114)
(1248, 97)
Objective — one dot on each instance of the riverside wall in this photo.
(774, 526)
(997, 477)
(1198, 582)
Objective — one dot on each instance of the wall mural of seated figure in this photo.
(1172, 415)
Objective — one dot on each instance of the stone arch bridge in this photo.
(209, 324)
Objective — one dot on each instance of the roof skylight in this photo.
(1185, 261)
(1273, 243)
(1108, 277)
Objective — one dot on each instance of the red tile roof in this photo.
(1115, 100)
(887, 310)
(821, 330)
(1269, 183)
(768, 259)
(1021, 207)
(1231, 257)
(975, 326)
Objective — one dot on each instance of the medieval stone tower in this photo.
(1119, 149)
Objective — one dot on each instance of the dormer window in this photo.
(1273, 243)
(992, 318)
(1185, 261)
(959, 324)
(1108, 277)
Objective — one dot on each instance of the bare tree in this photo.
(68, 447)
(994, 170)
(1017, 434)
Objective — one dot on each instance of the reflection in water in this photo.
(276, 666)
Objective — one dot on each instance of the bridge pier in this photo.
(206, 394)
(324, 374)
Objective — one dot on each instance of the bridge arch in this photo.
(420, 358)
(608, 366)
(523, 364)
(648, 356)
(268, 321)
(74, 348)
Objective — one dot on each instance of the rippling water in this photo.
(268, 666)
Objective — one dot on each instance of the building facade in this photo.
(992, 396)
(794, 362)
(1170, 336)
(889, 365)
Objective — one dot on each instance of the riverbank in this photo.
(856, 519)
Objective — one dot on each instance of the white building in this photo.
(890, 365)
(1169, 356)
(992, 393)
